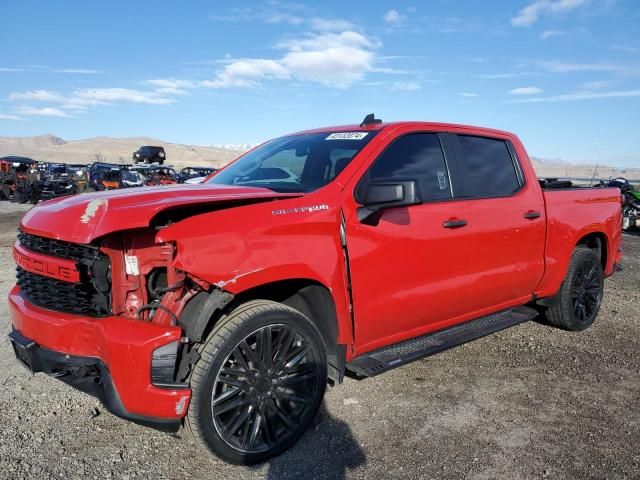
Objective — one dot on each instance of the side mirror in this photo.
(383, 195)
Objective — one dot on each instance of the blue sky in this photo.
(560, 73)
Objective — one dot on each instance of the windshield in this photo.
(297, 163)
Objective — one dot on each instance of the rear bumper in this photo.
(109, 358)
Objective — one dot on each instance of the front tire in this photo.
(580, 296)
(258, 384)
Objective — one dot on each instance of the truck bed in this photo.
(572, 214)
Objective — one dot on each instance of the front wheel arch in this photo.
(312, 299)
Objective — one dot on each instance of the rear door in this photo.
(508, 221)
(409, 272)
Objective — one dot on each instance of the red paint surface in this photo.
(123, 344)
(409, 275)
(51, 267)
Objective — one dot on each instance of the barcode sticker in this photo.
(347, 136)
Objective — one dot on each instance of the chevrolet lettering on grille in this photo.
(57, 268)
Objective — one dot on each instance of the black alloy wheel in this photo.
(587, 291)
(576, 305)
(264, 389)
(259, 382)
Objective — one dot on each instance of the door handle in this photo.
(454, 223)
(531, 215)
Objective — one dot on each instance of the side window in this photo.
(417, 156)
(486, 167)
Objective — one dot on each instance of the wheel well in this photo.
(597, 242)
(313, 300)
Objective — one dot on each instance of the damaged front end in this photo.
(109, 318)
(146, 285)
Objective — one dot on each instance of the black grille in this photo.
(77, 298)
(58, 248)
(91, 296)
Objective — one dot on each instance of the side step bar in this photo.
(387, 358)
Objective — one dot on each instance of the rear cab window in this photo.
(486, 167)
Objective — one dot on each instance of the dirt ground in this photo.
(528, 402)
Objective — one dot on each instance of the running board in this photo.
(396, 355)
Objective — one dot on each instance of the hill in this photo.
(118, 150)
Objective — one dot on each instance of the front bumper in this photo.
(109, 358)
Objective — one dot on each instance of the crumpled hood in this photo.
(83, 218)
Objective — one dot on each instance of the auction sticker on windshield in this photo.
(347, 136)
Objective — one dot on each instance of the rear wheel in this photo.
(258, 384)
(580, 296)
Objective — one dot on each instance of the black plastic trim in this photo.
(393, 356)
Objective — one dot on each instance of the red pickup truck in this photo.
(228, 306)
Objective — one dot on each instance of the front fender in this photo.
(241, 248)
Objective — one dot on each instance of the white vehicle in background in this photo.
(195, 180)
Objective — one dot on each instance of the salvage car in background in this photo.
(132, 178)
(149, 154)
(57, 181)
(15, 181)
(157, 175)
(195, 174)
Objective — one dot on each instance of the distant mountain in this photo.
(119, 150)
(242, 147)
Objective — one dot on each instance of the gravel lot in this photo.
(528, 402)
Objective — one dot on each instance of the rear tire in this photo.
(258, 384)
(580, 295)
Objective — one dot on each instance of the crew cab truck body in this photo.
(227, 307)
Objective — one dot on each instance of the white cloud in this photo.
(7, 69)
(393, 17)
(550, 34)
(247, 73)
(577, 96)
(279, 17)
(81, 71)
(82, 99)
(406, 86)
(526, 91)
(273, 13)
(36, 95)
(532, 12)
(323, 41)
(43, 112)
(596, 85)
(93, 96)
(556, 66)
(498, 76)
(4, 116)
(622, 48)
(330, 24)
(170, 83)
(468, 94)
(328, 58)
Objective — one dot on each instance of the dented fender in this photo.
(254, 245)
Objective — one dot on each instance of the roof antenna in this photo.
(370, 120)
